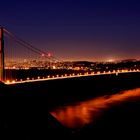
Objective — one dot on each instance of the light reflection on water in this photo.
(76, 116)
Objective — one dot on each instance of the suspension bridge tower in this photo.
(1, 54)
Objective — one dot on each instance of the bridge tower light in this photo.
(42, 54)
(49, 54)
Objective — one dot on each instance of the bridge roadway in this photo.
(28, 80)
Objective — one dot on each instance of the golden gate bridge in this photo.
(24, 54)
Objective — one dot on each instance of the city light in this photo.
(110, 60)
(54, 67)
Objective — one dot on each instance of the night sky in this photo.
(93, 30)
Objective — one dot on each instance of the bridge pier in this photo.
(1, 54)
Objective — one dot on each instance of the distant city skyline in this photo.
(77, 29)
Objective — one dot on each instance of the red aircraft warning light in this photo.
(49, 55)
(42, 54)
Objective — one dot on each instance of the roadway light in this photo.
(114, 71)
(86, 73)
(13, 81)
(98, 72)
(8, 82)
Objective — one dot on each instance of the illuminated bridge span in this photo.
(70, 76)
(18, 56)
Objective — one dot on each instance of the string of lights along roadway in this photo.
(116, 72)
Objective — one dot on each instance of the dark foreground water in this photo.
(113, 116)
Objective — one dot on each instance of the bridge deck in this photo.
(28, 80)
